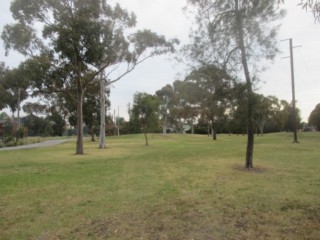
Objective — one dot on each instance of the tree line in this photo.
(207, 102)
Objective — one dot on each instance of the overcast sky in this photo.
(167, 18)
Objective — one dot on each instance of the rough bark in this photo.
(79, 149)
(250, 113)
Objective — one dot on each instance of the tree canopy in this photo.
(144, 113)
(69, 43)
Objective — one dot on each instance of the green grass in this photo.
(180, 187)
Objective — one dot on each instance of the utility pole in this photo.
(294, 114)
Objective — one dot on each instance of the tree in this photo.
(58, 124)
(3, 92)
(166, 101)
(81, 39)
(37, 126)
(314, 5)
(265, 109)
(15, 85)
(314, 118)
(236, 35)
(214, 87)
(144, 113)
(4, 116)
(34, 108)
(187, 94)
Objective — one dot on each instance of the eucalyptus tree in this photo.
(214, 88)
(282, 115)
(70, 42)
(266, 108)
(186, 104)
(16, 86)
(166, 102)
(237, 35)
(179, 103)
(144, 113)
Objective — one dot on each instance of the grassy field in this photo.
(180, 187)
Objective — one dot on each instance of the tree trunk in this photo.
(92, 134)
(102, 134)
(145, 136)
(164, 129)
(214, 134)
(79, 149)
(250, 140)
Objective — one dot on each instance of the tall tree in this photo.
(77, 41)
(236, 34)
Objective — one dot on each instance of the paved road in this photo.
(35, 145)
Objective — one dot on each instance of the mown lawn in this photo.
(180, 187)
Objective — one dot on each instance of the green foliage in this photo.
(57, 123)
(213, 93)
(13, 87)
(37, 126)
(314, 118)
(74, 42)
(34, 108)
(144, 113)
(4, 116)
(8, 134)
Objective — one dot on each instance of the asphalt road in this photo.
(35, 145)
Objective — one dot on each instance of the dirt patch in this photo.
(251, 170)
